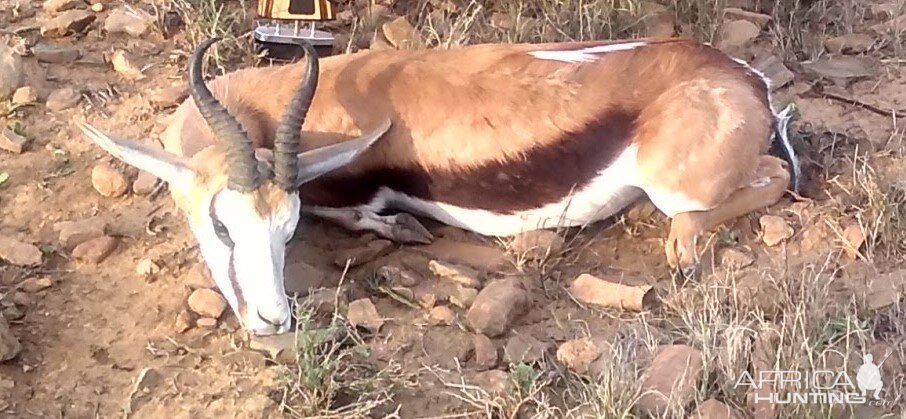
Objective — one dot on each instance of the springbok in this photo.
(497, 139)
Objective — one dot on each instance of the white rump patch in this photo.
(586, 54)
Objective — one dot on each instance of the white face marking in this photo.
(586, 54)
(247, 257)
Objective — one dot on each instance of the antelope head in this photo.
(244, 214)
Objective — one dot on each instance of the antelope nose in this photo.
(272, 322)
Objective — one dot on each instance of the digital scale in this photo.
(283, 24)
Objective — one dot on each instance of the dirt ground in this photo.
(109, 339)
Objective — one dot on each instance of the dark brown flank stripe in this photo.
(545, 175)
(240, 300)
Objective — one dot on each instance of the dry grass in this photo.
(212, 18)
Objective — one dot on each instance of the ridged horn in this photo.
(243, 168)
(287, 139)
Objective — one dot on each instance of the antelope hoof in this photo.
(407, 229)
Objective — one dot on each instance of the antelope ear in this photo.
(317, 162)
(169, 167)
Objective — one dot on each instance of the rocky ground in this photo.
(106, 311)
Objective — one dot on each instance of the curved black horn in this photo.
(286, 141)
(243, 168)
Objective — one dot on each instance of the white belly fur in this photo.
(608, 193)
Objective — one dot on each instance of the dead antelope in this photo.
(496, 139)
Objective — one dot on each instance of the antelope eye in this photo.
(222, 233)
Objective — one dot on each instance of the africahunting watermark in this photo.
(819, 386)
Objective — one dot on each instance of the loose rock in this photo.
(537, 244)
(144, 183)
(775, 70)
(205, 323)
(398, 276)
(300, 278)
(62, 99)
(738, 33)
(659, 25)
(130, 21)
(401, 34)
(713, 409)
(493, 382)
(184, 321)
(853, 43)
(673, 376)
(578, 354)
(854, 238)
(168, 97)
(441, 315)
(11, 71)
(364, 254)
(19, 253)
(459, 274)
(109, 181)
(735, 258)
(147, 268)
(74, 233)
(70, 22)
(124, 63)
(56, 6)
(34, 285)
(775, 230)
(95, 250)
(759, 19)
(207, 303)
(523, 348)
(590, 289)
(843, 67)
(447, 346)
(496, 306)
(485, 352)
(25, 94)
(13, 142)
(363, 313)
(9, 344)
(55, 54)
(281, 348)
(199, 277)
(463, 297)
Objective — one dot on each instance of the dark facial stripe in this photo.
(240, 299)
(545, 175)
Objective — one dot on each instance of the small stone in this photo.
(398, 276)
(494, 382)
(843, 67)
(19, 253)
(199, 277)
(673, 377)
(641, 211)
(759, 19)
(735, 258)
(713, 409)
(578, 354)
(62, 99)
(108, 181)
(74, 233)
(56, 6)
(206, 323)
(363, 313)
(147, 268)
(95, 250)
(34, 285)
(775, 230)
(537, 244)
(281, 348)
(738, 33)
(854, 238)
(9, 344)
(13, 142)
(463, 297)
(69, 22)
(144, 183)
(363, 254)
(523, 348)
(775, 70)
(25, 94)
(184, 321)
(124, 63)
(441, 315)
(300, 278)
(168, 97)
(447, 346)
(327, 301)
(853, 43)
(55, 54)
(97, 7)
(659, 25)
(612, 293)
(427, 300)
(485, 352)
(11, 71)
(131, 21)
(401, 34)
(207, 303)
(496, 306)
(459, 274)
